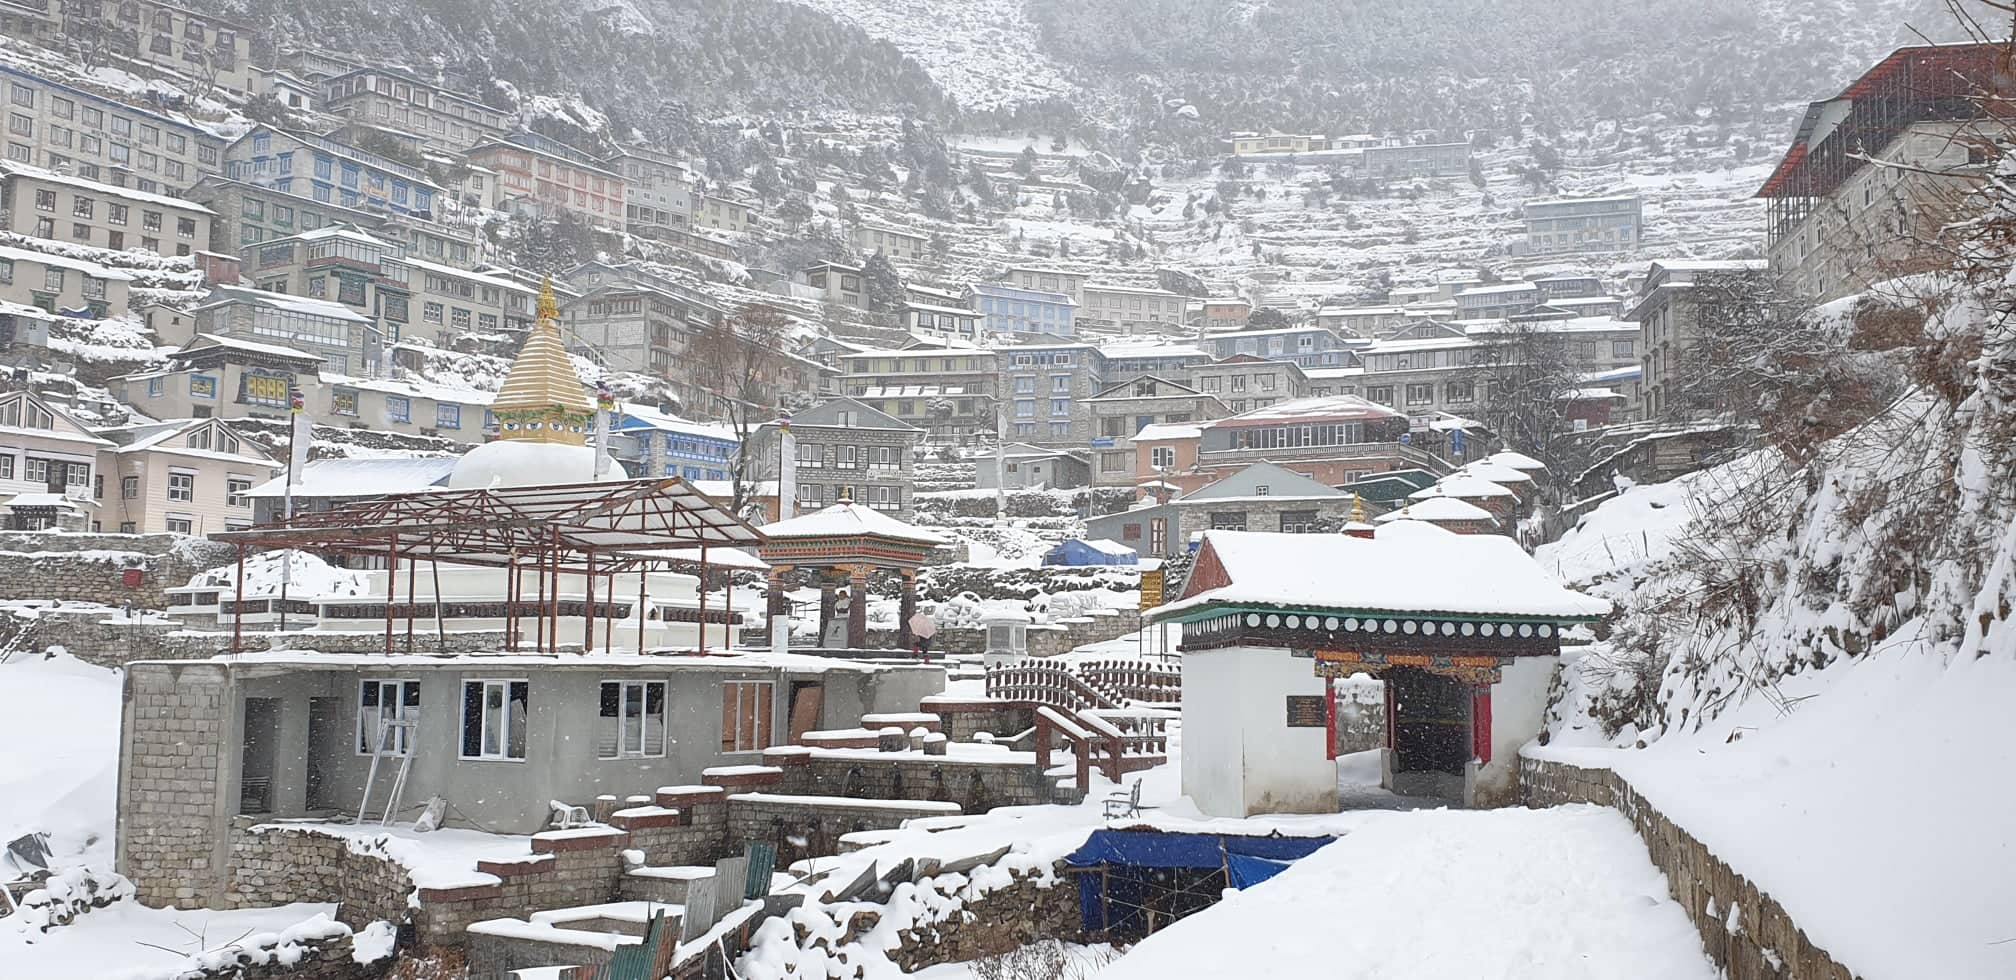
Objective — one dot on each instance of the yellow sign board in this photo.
(1151, 589)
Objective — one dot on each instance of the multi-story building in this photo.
(318, 169)
(837, 283)
(658, 190)
(181, 477)
(847, 451)
(948, 392)
(547, 174)
(225, 378)
(628, 320)
(1668, 311)
(407, 406)
(1228, 313)
(247, 213)
(60, 127)
(51, 456)
(1587, 224)
(1249, 144)
(1126, 359)
(951, 322)
(1568, 285)
(1361, 321)
(1008, 310)
(442, 118)
(722, 212)
(1496, 301)
(1125, 408)
(406, 297)
(56, 283)
(347, 342)
(1308, 346)
(1247, 381)
(1127, 308)
(1422, 377)
(1044, 388)
(1260, 496)
(1875, 172)
(895, 244)
(1333, 440)
(653, 442)
(153, 38)
(1324, 382)
(56, 206)
(1041, 280)
(1418, 160)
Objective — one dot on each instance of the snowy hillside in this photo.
(984, 53)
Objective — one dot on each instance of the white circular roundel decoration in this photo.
(1350, 622)
(1525, 629)
(1392, 627)
(1294, 622)
(1469, 629)
(1409, 627)
(1273, 621)
(1330, 623)
(1252, 619)
(1546, 630)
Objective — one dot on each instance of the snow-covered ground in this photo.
(129, 941)
(59, 755)
(1561, 894)
(984, 53)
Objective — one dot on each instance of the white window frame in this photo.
(625, 735)
(187, 490)
(502, 719)
(367, 734)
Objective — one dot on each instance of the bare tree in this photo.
(1524, 379)
(740, 366)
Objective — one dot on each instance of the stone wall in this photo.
(177, 722)
(327, 959)
(108, 642)
(1045, 640)
(272, 865)
(1767, 946)
(975, 786)
(963, 719)
(1032, 909)
(819, 821)
(91, 567)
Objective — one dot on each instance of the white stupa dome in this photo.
(514, 463)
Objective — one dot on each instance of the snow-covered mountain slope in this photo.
(985, 54)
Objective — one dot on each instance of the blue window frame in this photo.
(398, 408)
(448, 416)
(350, 175)
(262, 143)
(324, 167)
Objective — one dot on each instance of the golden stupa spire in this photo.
(1357, 509)
(543, 399)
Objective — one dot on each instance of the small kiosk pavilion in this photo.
(845, 542)
(1464, 631)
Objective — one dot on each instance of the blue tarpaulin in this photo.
(1135, 866)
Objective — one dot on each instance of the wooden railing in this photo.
(1092, 684)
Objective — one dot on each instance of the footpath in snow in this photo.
(1559, 894)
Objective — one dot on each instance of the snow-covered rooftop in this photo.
(361, 477)
(847, 520)
(1461, 486)
(1308, 409)
(1405, 567)
(1168, 430)
(109, 190)
(1438, 509)
(92, 269)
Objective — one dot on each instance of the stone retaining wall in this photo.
(329, 959)
(1767, 946)
(272, 865)
(975, 786)
(91, 567)
(1045, 640)
(1002, 921)
(99, 638)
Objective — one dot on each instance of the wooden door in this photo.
(806, 699)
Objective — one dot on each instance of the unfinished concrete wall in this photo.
(174, 779)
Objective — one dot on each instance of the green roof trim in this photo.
(1213, 610)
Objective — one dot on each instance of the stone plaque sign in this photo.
(1305, 711)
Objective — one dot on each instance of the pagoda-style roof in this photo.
(847, 533)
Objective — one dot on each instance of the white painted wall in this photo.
(1240, 758)
(1518, 702)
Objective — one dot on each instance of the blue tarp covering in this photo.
(1136, 863)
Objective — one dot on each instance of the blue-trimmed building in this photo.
(653, 443)
(323, 170)
(1009, 310)
(1308, 346)
(61, 127)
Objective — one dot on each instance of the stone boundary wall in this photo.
(272, 865)
(1768, 946)
(1002, 921)
(1045, 639)
(321, 960)
(91, 567)
(95, 639)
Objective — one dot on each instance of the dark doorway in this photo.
(255, 771)
(326, 738)
(1431, 733)
(807, 697)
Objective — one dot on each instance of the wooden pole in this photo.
(553, 628)
(440, 624)
(391, 588)
(238, 614)
(412, 600)
(512, 579)
(728, 613)
(609, 617)
(588, 610)
(539, 608)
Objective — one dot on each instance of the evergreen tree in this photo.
(1025, 165)
(881, 286)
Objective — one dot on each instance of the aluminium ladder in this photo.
(394, 735)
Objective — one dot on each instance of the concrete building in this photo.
(723, 212)
(46, 204)
(550, 175)
(147, 37)
(181, 477)
(1044, 389)
(1008, 310)
(1588, 224)
(225, 378)
(322, 170)
(1668, 311)
(1836, 223)
(1332, 440)
(1125, 359)
(247, 213)
(650, 442)
(1229, 313)
(1424, 377)
(50, 459)
(836, 283)
(897, 244)
(950, 323)
(406, 405)
(347, 342)
(1307, 346)
(1496, 301)
(442, 118)
(54, 283)
(1251, 144)
(61, 127)
(658, 189)
(1033, 466)
(847, 451)
(1361, 321)
(951, 393)
(1247, 381)
(1128, 308)
(1037, 279)
(1125, 408)
(1418, 160)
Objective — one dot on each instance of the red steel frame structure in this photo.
(589, 529)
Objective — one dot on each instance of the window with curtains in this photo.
(632, 722)
(494, 715)
(745, 715)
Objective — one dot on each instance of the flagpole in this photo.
(605, 406)
(296, 446)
